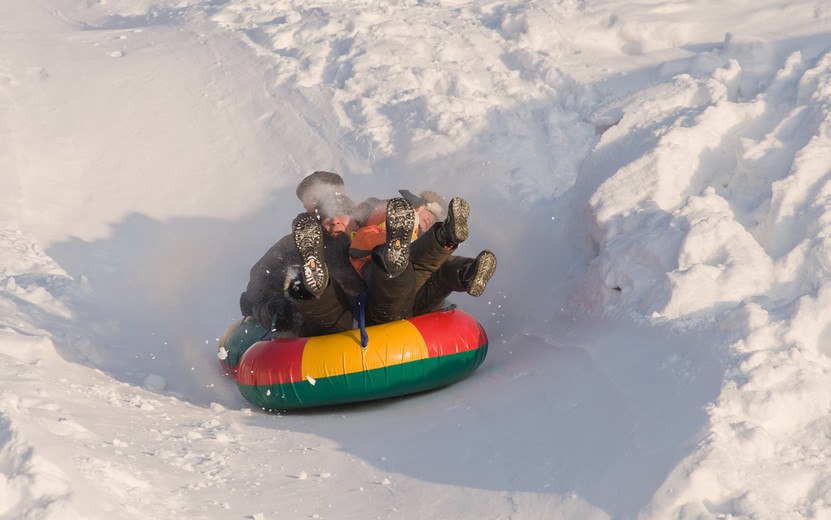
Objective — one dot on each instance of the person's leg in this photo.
(457, 274)
(321, 305)
(389, 274)
(400, 224)
(431, 295)
(308, 239)
(388, 298)
(434, 247)
(427, 255)
(326, 314)
(454, 228)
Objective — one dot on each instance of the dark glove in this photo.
(277, 313)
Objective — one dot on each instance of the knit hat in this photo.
(333, 204)
(366, 209)
(435, 203)
(316, 184)
(432, 200)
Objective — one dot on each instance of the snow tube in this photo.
(236, 340)
(402, 357)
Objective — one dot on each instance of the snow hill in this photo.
(655, 179)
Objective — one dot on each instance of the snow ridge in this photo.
(688, 234)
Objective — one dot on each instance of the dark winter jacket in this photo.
(265, 296)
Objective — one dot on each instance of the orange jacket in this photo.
(370, 236)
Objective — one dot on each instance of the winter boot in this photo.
(453, 230)
(395, 254)
(476, 274)
(308, 238)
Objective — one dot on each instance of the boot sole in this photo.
(308, 238)
(485, 266)
(458, 212)
(400, 224)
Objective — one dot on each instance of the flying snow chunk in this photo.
(154, 382)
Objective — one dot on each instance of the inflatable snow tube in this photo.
(402, 357)
(237, 339)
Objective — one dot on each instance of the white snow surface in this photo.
(654, 178)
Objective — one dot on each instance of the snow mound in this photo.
(711, 201)
(714, 210)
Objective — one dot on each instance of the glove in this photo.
(276, 313)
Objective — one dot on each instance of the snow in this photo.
(655, 179)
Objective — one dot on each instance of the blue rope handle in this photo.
(361, 317)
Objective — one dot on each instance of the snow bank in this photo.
(34, 293)
(409, 86)
(714, 212)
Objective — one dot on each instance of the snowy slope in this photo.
(654, 177)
